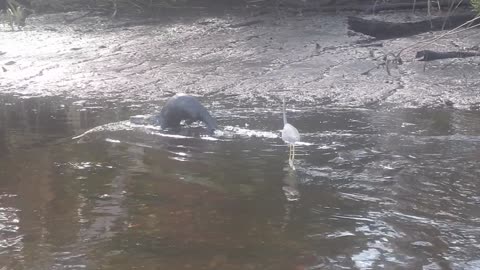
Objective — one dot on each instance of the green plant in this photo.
(16, 14)
(476, 5)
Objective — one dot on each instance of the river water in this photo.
(373, 188)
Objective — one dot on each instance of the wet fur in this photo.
(184, 107)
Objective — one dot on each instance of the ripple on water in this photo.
(230, 131)
(372, 190)
(9, 228)
(222, 133)
(366, 258)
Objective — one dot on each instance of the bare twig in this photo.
(429, 8)
(448, 14)
(115, 9)
(450, 32)
(391, 58)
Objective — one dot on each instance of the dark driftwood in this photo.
(427, 55)
(369, 6)
(385, 30)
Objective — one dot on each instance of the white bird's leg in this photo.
(293, 155)
(290, 161)
(289, 152)
(293, 152)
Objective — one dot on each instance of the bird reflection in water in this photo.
(292, 194)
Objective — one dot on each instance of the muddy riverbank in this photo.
(233, 58)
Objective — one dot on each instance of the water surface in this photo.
(373, 189)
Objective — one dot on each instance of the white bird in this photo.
(291, 136)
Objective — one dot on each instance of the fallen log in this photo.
(386, 30)
(368, 6)
(427, 55)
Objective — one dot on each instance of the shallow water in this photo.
(373, 189)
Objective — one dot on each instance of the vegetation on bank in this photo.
(476, 5)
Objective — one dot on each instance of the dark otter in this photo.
(184, 107)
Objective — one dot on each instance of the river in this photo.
(373, 188)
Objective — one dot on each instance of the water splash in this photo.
(141, 126)
(122, 125)
(230, 131)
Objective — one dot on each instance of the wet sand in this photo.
(234, 57)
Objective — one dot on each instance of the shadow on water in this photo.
(373, 189)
